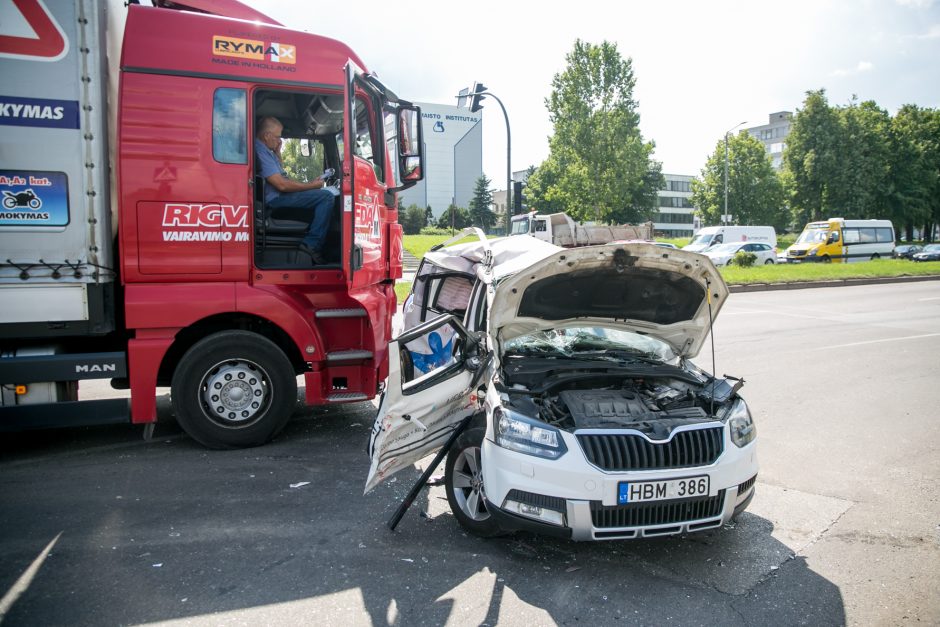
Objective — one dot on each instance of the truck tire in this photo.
(233, 389)
(463, 483)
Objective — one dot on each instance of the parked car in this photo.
(931, 252)
(906, 251)
(587, 419)
(722, 254)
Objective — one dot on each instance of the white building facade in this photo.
(674, 217)
(453, 149)
(773, 135)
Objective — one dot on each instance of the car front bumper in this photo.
(569, 497)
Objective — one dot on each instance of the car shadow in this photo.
(168, 531)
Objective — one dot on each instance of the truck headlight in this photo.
(742, 426)
(812, 253)
(527, 435)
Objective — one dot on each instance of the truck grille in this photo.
(618, 452)
(656, 513)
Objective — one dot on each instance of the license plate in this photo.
(642, 491)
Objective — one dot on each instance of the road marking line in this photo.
(22, 584)
(889, 339)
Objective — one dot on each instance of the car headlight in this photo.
(527, 435)
(812, 253)
(741, 423)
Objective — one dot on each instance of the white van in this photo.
(713, 235)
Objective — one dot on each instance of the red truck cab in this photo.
(219, 303)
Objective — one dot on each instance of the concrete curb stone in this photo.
(799, 285)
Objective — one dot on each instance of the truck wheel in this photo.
(463, 482)
(233, 389)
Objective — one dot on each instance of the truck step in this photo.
(350, 355)
(353, 312)
(346, 397)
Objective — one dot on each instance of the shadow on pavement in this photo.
(168, 531)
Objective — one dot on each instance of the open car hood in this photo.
(635, 287)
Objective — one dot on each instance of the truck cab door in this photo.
(434, 370)
(383, 153)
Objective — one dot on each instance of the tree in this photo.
(599, 167)
(811, 158)
(914, 194)
(428, 216)
(412, 220)
(455, 217)
(479, 209)
(860, 186)
(755, 193)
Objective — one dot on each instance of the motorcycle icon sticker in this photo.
(30, 198)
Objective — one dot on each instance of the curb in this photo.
(800, 285)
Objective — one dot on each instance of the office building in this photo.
(453, 149)
(773, 135)
(674, 217)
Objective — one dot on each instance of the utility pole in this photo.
(476, 94)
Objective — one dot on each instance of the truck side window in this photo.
(230, 126)
(540, 226)
(366, 143)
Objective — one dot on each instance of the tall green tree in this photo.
(480, 213)
(755, 193)
(599, 167)
(812, 157)
(860, 186)
(914, 194)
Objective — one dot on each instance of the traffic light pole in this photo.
(508, 164)
(475, 95)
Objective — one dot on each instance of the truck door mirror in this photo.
(409, 144)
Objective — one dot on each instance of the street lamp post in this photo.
(475, 95)
(728, 132)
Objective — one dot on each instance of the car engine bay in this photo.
(641, 399)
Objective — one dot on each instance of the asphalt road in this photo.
(100, 527)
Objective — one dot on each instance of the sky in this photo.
(701, 68)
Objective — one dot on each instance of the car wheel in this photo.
(463, 482)
(233, 389)
(875, 256)
(769, 262)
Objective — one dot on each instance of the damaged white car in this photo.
(570, 367)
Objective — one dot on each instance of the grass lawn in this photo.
(788, 273)
(418, 245)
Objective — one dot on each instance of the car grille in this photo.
(618, 452)
(747, 485)
(656, 513)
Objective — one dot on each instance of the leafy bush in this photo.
(744, 259)
(412, 220)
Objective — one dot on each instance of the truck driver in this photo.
(293, 200)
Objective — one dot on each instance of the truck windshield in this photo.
(702, 238)
(811, 236)
(520, 227)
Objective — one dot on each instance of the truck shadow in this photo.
(166, 530)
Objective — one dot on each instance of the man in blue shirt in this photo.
(283, 194)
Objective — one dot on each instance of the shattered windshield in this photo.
(590, 343)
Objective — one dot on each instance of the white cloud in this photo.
(863, 66)
(916, 4)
